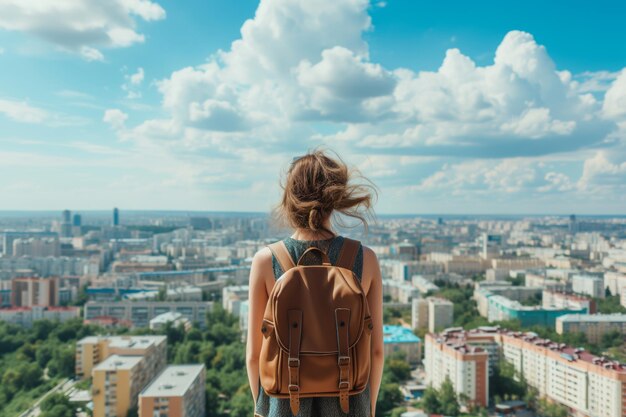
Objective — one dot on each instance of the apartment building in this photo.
(139, 313)
(588, 284)
(615, 282)
(233, 296)
(26, 316)
(589, 386)
(594, 326)
(116, 384)
(173, 319)
(29, 292)
(561, 299)
(92, 350)
(178, 391)
(422, 284)
(398, 338)
(433, 313)
(447, 355)
(501, 308)
(401, 292)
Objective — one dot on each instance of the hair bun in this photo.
(317, 186)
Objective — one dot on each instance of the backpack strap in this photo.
(295, 336)
(347, 254)
(342, 323)
(280, 252)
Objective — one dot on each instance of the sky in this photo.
(448, 107)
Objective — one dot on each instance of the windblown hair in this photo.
(317, 186)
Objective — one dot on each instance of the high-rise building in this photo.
(178, 391)
(432, 313)
(30, 292)
(90, 351)
(588, 284)
(587, 385)
(66, 224)
(573, 224)
(116, 217)
(490, 245)
(116, 384)
(77, 221)
(466, 366)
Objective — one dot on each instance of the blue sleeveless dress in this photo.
(267, 406)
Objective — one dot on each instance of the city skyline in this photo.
(162, 106)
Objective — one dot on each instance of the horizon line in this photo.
(42, 211)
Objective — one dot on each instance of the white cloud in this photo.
(534, 123)
(301, 75)
(137, 77)
(602, 173)
(614, 105)
(133, 82)
(343, 86)
(21, 111)
(80, 26)
(116, 118)
(556, 181)
(510, 175)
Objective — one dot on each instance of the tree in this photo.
(62, 363)
(389, 397)
(398, 371)
(430, 400)
(449, 402)
(57, 405)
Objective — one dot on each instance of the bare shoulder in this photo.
(369, 256)
(262, 256)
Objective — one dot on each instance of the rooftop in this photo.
(174, 381)
(136, 342)
(399, 334)
(594, 318)
(116, 362)
(170, 316)
(457, 337)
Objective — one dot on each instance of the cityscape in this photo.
(145, 313)
(151, 151)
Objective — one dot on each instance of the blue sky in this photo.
(448, 107)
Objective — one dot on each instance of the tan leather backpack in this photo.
(316, 329)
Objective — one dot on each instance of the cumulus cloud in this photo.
(602, 172)
(81, 26)
(343, 86)
(133, 82)
(21, 111)
(556, 181)
(510, 175)
(137, 77)
(115, 118)
(301, 75)
(614, 105)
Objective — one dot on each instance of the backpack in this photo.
(316, 329)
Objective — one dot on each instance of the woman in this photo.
(316, 187)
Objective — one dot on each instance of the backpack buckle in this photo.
(344, 385)
(343, 360)
(294, 388)
(294, 362)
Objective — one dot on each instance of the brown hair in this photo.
(318, 185)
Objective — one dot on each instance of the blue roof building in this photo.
(399, 338)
